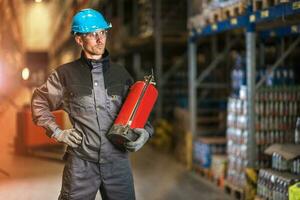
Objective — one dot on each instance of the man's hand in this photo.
(69, 137)
(142, 139)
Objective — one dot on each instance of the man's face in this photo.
(93, 44)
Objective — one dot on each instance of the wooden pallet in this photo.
(234, 10)
(204, 172)
(264, 4)
(234, 191)
(259, 198)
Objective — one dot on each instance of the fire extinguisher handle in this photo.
(150, 78)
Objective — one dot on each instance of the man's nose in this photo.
(100, 40)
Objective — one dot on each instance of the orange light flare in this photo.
(2, 78)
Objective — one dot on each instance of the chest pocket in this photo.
(114, 99)
(80, 100)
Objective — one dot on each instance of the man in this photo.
(91, 90)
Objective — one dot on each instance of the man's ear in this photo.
(78, 40)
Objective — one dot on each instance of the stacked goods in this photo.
(145, 19)
(182, 140)
(279, 163)
(205, 148)
(264, 4)
(218, 168)
(209, 158)
(212, 11)
(233, 8)
(277, 183)
(163, 135)
(297, 132)
(238, 74)
(274, 185)
(276, 111)
(236, 141)
(224, 9)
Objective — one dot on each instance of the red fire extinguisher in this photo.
(134, 112)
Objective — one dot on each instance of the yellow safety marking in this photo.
(296, 5)
(264, 14)
(233, 21)
(214, 27)
(252, 18)
(294, 29)
(273, 34)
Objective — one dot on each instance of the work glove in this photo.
(69, 137)
(142, 139)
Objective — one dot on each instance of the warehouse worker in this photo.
(91, 90)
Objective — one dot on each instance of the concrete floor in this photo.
(157, 177)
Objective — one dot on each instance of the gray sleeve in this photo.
(45, 99)
(149, 128)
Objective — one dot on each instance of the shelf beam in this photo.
(226, 25)
(280, 31)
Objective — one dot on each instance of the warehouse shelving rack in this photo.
(254, 23)
(139, 48)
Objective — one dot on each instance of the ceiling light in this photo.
(25, 74)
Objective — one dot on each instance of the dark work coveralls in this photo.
(91, 92)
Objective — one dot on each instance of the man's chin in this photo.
(100, 52)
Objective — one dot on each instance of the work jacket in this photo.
(92, 93)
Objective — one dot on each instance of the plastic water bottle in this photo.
(285, 77)
(297, 131)
(277, 77)
(270, 78)
(291, 76)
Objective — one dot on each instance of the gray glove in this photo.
(69, 137)
(142, 139)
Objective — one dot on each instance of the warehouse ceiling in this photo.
(39, 21)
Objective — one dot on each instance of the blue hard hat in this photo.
(89, 20)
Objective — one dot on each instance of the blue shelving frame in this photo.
(280, 31)
(276, 12)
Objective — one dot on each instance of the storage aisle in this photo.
(159, 177)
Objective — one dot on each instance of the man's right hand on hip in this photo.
(69, 137)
